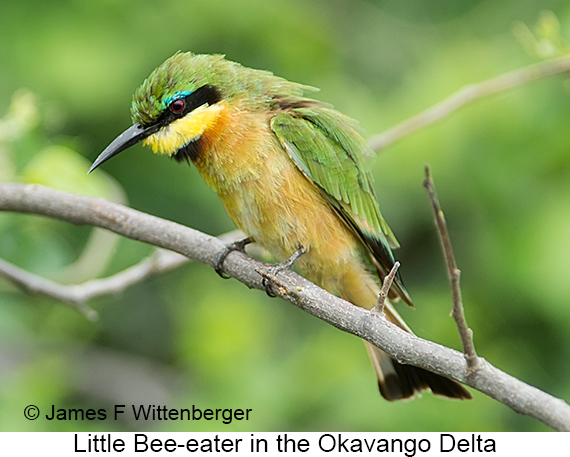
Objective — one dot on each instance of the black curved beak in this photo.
(128, 138)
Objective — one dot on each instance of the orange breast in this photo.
(270, 200)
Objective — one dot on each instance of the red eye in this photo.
(177, 106)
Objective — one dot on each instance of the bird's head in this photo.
(184, 97)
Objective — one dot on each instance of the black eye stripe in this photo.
(205, 94)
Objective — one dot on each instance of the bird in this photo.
(292, 173)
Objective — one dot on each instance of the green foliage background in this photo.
(501, 165)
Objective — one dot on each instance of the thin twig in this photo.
(469, 94)
(34, 284)
(458, 312)
(77, 295)
(401, 345)
(386, 284)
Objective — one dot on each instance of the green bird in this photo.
(290, 171)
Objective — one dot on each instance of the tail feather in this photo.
(397, 381)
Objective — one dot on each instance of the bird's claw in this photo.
(230, 247)
(274, 270)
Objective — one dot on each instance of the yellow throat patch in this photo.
(169, 139)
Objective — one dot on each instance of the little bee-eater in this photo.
(290, 171)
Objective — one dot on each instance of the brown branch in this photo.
(469, 94)
(403, 346)
(457, 312)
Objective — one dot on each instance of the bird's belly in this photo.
(270, 200)
(283, 222)
(283, 211)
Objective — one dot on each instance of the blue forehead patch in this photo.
(177, 95)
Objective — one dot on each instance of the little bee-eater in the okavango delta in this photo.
(291, 172)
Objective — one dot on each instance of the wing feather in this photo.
(330, 150)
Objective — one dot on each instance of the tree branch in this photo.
(469, 94)
(77, 295)
(403, 346)
(34, 284)
(457, 312)
(386, 284)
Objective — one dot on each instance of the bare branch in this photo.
(403, 346)
(469, 94)
(77, 295)
(386, 284)
(457, 312)
(35, 284)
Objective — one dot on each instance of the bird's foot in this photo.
(230, 247)
(274, 270)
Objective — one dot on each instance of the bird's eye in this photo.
(177, 106)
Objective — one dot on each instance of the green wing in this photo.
(330, 150)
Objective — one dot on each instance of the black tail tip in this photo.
(409, 381)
